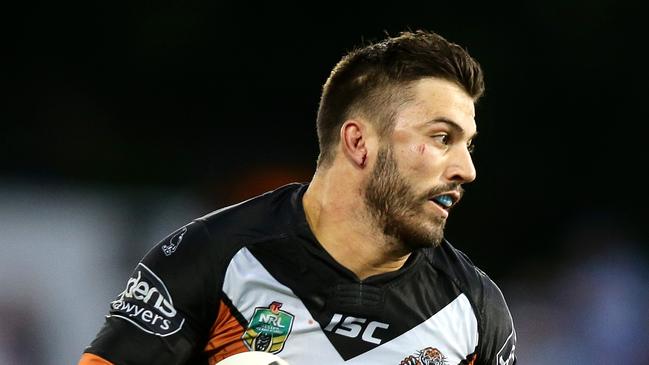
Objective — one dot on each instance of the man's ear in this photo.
(353, 138)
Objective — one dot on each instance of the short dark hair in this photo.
(373, 81)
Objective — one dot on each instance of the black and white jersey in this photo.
(254, 277)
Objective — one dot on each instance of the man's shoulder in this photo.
(452, 261)
(271, 213)
(216, 237)
(460, 269)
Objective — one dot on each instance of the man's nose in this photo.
(461, 168)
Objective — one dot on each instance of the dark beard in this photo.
(398, 209)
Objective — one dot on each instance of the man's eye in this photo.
(471, 147)
(442, 138)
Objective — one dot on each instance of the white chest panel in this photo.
(453, 330)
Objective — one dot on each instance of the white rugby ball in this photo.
(253, 358)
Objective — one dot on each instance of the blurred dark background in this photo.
(211, 103)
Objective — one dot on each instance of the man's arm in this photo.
(498, 337)
(90, 359)
(167, 306)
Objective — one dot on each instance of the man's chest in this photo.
(316, 318)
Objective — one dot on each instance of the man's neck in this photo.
(338, 218)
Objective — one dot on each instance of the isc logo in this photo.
(353, 326)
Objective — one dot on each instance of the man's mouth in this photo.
(446, 200)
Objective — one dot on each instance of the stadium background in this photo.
(121, 122)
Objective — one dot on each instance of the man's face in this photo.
(421, 165)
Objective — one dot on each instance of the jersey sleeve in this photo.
(497, 334)
(168, 304)
(90, 359)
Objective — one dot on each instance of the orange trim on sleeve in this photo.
(91, 359)
(225, 336)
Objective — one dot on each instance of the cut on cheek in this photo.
(421, 148)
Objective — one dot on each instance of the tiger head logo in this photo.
(427, 356)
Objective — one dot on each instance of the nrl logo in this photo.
(268, 329)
